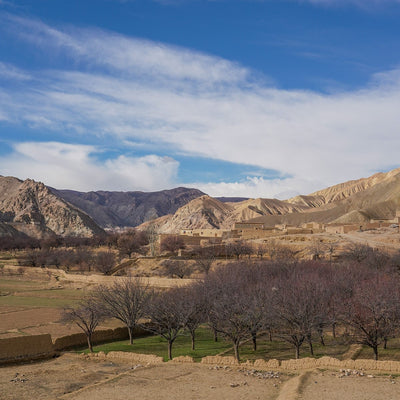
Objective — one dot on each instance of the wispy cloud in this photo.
(127, 89)
(76, 167)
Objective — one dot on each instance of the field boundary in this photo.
(25, 348)
(273, 364)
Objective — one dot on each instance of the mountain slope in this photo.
(350, 202)
(209, 213)
(30, 207)
(128, 209)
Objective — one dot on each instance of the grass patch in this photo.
(23, 293)
(26, 301)
(205, 345)
(282, 350)
(392, 353)
(18, 283)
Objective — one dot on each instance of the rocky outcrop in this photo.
(347, 203)
(208, 213)
(128, 209)
(31, 207)
(344, 190)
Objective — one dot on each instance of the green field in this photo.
(25, 293)
(392, 353)
(281, 350)
(205, 346)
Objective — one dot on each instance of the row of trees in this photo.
(296, 302)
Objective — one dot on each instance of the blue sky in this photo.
(238, 98)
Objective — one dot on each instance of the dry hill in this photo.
(128, 209)
(208, 213)
(31, 207)
(355, 201)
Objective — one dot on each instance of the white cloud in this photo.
(66, 166)
(8, 71)
(149, 93)
(254, 187)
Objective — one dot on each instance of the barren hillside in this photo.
(351, 202)
(128, 209)
(30, 207)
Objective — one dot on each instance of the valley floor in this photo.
(72, 376)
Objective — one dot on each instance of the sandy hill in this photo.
(351, 202)
(206, 212)
(30, 207)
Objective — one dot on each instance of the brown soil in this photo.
(329, 386)
(73, 377)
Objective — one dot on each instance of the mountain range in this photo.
(31, 208)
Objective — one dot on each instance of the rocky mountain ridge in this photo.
(128, 209)
(31, 208)
(34, 209)
(350, 202)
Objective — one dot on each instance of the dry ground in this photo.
(328, 385)
(74, 377)
(32, 303)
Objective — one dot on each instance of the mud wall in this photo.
(26, 348)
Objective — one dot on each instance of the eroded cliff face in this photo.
(128, 209)
(31, 207)
(345, 190)
(206, 212)
(350, 202)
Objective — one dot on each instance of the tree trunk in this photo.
(170, 349)
(215, 335)
(236, 348)
(334, 330)
(321, 337)
(375, 348)
(254, 340)
(297, 351)
(309, 340)
(385, 340)
(130, 330)
(192, 334)
(270, 334)
(89, 342)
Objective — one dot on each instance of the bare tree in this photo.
(126, 300)
(152, 236)
(239, 248)
(357, 252)
(228, 305)
(178, 268)
(172, 243)
(205, 257)
(261, 249)
(298, 307)
(316, 250)
(131, 242)
(105, 262)
(167, 316)
(373, 312)
(87, 315)
(194, 309)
